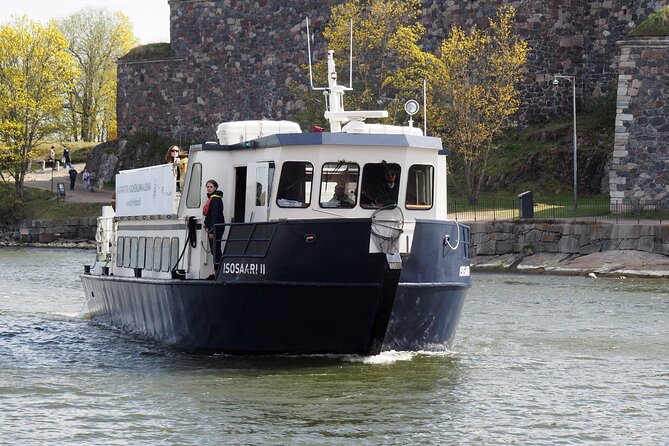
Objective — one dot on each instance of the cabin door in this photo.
(259, 191)
(240, 195)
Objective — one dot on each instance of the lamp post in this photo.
(571, 79)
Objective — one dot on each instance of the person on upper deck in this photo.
(178, 160)
(214, 219)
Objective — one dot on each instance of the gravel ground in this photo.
(41, 179)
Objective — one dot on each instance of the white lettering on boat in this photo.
(464, 271)
(249, 269)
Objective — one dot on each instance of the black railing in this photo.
(509, 209)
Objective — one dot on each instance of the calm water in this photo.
(537, 360)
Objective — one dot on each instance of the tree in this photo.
(475, 91)
(98, 37)
(385, 55)
(472, 85)
(36, 72)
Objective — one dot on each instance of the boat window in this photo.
(119, 251)
(295, 185)
(194, 186)
(174, 252)
(165, 261)
(261, 185)
(148, 262)
(141, 252)
(420, 187)
(133, 252)
(157, 243)
(339, 185)
(126, 251)
(380, 185)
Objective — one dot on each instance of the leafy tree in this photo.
(385, 55)
(475, 91)
(472, 84)
(36, 72)
(98, 37)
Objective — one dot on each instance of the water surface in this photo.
(537, 360)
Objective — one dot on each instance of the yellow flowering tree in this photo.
(475, 92)
(386, 69)
(36, 73)
(472, 84)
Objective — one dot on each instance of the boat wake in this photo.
(393, 356)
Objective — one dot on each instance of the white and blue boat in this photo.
(317, 257)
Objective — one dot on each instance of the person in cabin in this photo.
(341, 198)
(67, 161)
(73, 177)
(213, 220)
(260, 195)
(178, 160)
(388, 187)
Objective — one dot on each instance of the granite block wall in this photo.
(47, 231)
(640, 166)
(496, 238)
(235, 59)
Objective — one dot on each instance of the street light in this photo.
(571, 79)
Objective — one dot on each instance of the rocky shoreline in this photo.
(618, 263)
(60, 243)
(614, 263)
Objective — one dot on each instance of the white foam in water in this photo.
(389, 357)
(67, 315)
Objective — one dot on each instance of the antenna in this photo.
(311, 76)
(350, 59)
(424, 106)
(334, 93)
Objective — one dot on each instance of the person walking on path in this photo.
(86, 178)
(67, 161)
(73, 177)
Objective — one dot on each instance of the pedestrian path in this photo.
(48, 179)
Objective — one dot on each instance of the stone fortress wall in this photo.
(490, 238)
(639, 174)
(235, 59)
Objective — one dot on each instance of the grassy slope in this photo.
(655, 25)
(540, 158)
(39, 204)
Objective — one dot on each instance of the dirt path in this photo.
(41, 179)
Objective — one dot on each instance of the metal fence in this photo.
(510, 209)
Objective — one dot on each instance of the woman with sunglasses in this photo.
(174, 157)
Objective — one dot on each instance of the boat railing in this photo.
(246, 239)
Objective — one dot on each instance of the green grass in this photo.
(38, 204)
(79, 150)
(150, 51)
(57, 210)
(655, 25)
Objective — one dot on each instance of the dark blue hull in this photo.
(329, 295)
